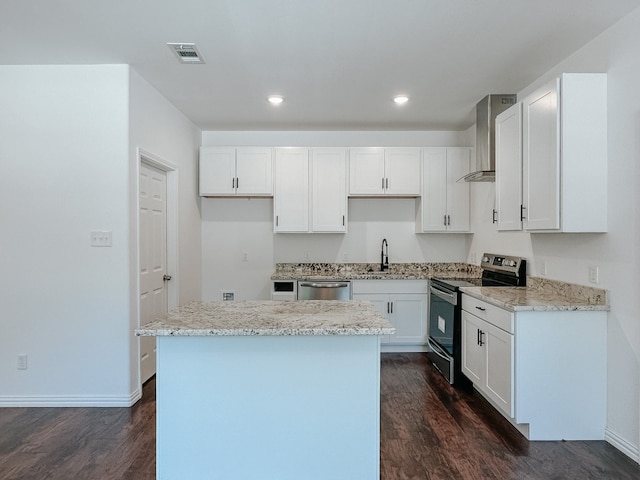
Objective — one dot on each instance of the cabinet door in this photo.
(366, 171)
(217, 171)
(381, 303)
(329, 189)
(458, 160)
(473, 354)
(402, 171)
(434, 194)
(409, 316)
(541, 158)
(499, 367)
(291, 196)
(254, 171)
(509, 168)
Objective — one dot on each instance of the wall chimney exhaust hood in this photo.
(486, 111)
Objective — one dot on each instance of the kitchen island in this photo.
(258, 390)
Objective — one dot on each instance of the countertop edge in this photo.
(541, 305)
(327, 332)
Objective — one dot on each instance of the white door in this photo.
(254, 171)
(509, 168)
(366, 171)
(409, 316)
(218, 171)
(153, 259)
(434, 195)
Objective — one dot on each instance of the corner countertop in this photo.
(246, 318)
(535, 298)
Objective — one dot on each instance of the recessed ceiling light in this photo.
(400, 99)
(275, 99)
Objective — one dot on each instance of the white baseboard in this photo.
(623, 445)
(70, 401)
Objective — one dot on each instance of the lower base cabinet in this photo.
(544, 371)
(404, 304)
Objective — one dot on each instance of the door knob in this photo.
(166, 278)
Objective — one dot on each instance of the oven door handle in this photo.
(451, 298)
(438, 350)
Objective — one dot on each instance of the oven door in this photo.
(442, 307)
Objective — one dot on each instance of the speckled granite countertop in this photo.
(314, 317)
(542, 295)
(371, 271)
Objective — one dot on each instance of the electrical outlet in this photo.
(307, 256)
(345, 256)
(100, 238)
(594, 274)
(22, 361)
(245, 256)
(227, 295)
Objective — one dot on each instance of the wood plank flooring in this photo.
(429, 432)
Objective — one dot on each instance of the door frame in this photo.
(171, 170)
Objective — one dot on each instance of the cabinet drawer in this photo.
(495, 315)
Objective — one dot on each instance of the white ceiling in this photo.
(338, 63)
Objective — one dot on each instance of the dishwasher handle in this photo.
(324, 284)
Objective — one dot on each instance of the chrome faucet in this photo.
(384, 256)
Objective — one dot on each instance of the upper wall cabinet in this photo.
(310, 190)
(329, 190)
(243, 171)
(565, 155)
(384, 171)
(444, 205)
(508, 212)
(291, 198)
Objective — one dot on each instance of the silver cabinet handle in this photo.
(387, 184)
(324, 284)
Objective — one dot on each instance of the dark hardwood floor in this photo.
(429, 431)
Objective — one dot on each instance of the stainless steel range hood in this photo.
(486, 111)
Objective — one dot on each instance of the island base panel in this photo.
(256, 407)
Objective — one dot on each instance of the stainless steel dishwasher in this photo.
(324, 290)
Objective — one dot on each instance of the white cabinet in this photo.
(243, 171)
(545, 370)
(329, 189)
(404, 304)
(291, 196)
(444, 205)
(565, 155)
(384, 171)
(508, 212)
(487, 354)
(310, 190)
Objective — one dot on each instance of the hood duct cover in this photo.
(486, 111)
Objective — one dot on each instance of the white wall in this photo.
(68, 138)
(617, 252)
(159, 129)
(63, 151)
(231, 227)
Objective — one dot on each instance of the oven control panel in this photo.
(502, 263)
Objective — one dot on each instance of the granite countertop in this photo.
(371, 271)
(542, 295)
(241, 318)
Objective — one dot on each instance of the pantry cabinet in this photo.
(444, 204)
(404, 304)
(377, 171)
(236, 171)
(564, 132)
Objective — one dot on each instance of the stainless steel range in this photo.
(445, 324)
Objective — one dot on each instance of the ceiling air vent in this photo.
(186, 52)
